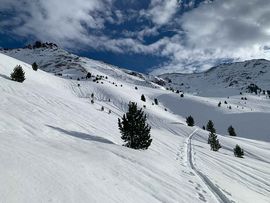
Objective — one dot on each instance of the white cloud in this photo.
(204, 36)
(161, 11)
(225, 29)
(59, 21)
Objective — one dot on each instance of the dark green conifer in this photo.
(213, 141)
(238, 151)
(134, 129)
(18, 74)
(190, 121)
(35, 66)
(143, 98)
(231, 131)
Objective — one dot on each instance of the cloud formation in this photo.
(220, 31)
(210, 33)
(63, 21)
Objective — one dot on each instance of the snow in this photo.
(58, 147)
(223, 80)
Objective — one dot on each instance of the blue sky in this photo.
(148, 36)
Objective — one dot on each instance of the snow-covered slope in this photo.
(223, 80)
(62, 63)
(58, 147)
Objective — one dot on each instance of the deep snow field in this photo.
(58, 147)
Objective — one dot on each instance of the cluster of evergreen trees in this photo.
(212, 138)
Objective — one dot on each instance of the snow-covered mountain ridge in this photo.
(223, 79)
(55, 60)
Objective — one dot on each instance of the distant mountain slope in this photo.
(55, 60)
(223, 80)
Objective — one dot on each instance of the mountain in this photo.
(223, 80)
(56, 146)
(55, 60)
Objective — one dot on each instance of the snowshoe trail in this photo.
(215, 192)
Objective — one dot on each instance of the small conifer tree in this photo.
(190, 121)
(213, 141)
(88, 75)
(134, 129)
(238, 151)
(156, 101)
(35, 66)
(143, 98)
(210, 126)
(18, 74)
(231, 131)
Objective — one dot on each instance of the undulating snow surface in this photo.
(58, 147)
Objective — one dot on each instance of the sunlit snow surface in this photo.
(58, 147)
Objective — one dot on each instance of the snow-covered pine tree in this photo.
(18, 74)
(231, 131)
(238, 151)
(134, 129)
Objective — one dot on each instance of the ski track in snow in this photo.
(219, 196)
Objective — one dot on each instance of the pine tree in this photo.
(210, 126)
(190, 121)
(88, 75)
(219, 104)
(238, 151)
(213, 141)
(18, 74)
(35, 66)
(156, 101)
(134, 129)
(143, 98)
(231, 131)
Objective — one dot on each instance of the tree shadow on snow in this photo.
(5, 77)
(83, 136)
